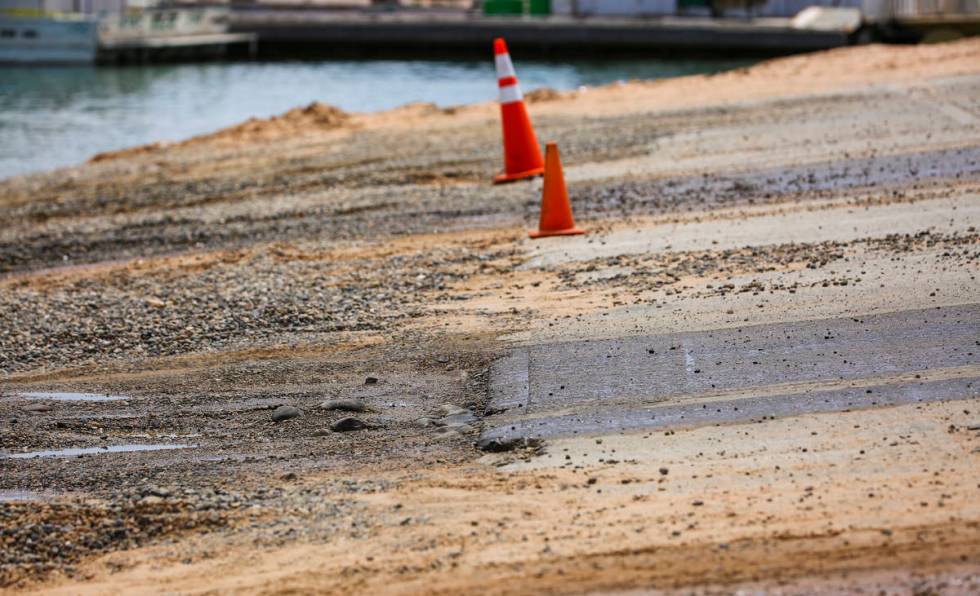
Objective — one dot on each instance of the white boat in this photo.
(48, 39)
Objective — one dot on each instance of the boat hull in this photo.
(47, 40)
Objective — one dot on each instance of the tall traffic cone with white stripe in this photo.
(522, 154)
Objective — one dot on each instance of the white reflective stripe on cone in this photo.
(505, 68)
(510, 94)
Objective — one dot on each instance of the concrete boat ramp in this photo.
(734, 375)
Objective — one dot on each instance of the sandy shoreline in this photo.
(323, 255)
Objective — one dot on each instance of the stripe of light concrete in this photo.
(793, 226)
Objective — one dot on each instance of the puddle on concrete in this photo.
(73, 451)
(69, 396)
(10, 496)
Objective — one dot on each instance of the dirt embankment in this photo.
(297, 121)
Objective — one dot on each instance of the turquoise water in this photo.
(56, 116)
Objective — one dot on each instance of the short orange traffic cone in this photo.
(522, 154)
(556, 211)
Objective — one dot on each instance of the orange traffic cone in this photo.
(522, 154)
(556, 211)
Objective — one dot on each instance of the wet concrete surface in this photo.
(737, 374)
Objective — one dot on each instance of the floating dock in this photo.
(421, 32)
(168, 34)
(176, 47)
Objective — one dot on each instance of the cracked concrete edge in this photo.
(509, 387)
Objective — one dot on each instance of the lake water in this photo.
(55, 116)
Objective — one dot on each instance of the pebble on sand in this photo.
(37, 408)
(346, 405)
(464, 417)
(465, 429)
(285, 413)
(348, 424)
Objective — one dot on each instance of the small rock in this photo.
(37, 408)
(346, 405)
(289, 476)
(371, 381)
(321, 433)
(285, 413)
(464, 417)
(663, 471)
(348, 424)
(442, 359)
(494, 445)
(450, 410)
(446, 434)
(464, 429)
